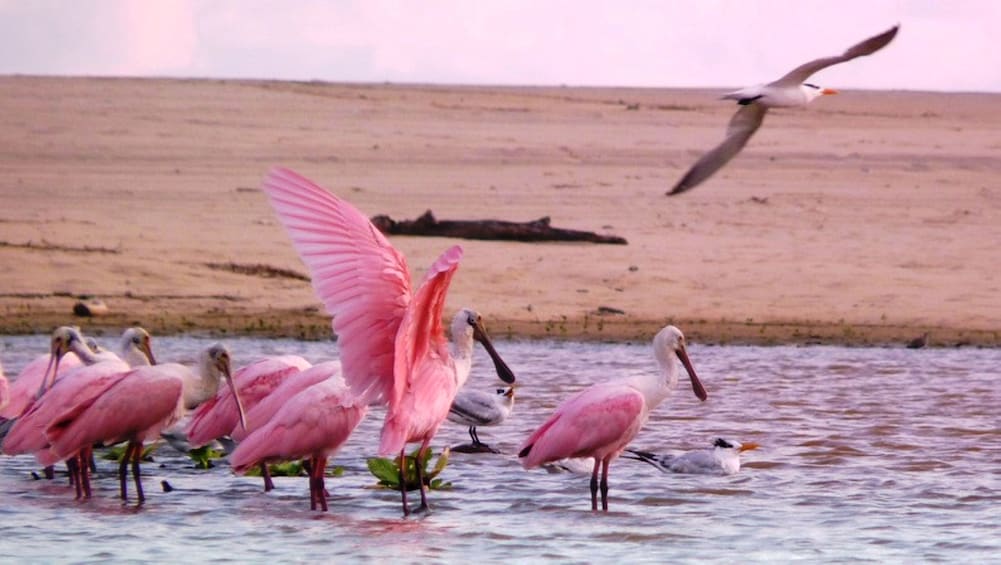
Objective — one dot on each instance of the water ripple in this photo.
(868, 455)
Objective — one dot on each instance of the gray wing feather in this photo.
(861, 49)
(742, 126)
(474, 408)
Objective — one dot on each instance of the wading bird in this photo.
(136, 408)
(754, 101)
(601, 420)
(32, 378)
(313, 423)
(217, 417)
(4, 389)
(723, 458)
(75, 391)
(392, 342)
(474, 408)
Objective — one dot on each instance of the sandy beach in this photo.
(868, 218)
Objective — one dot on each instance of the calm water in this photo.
(881, 455)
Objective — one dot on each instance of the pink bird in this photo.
(33, 376)
(601, 420)
(217, 417)
(313, 423)
(140, 404)
(4, 390)
(264, 410)
(75, 391)
(392, 343)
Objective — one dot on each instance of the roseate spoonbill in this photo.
(723, 458)
(4, 389)
(65, 340)
(143, 402)
(788, 91)
(72, 393)
(392, 342)
(478, 408)
(601, 420)
(217, 417)
(313, 423)
(264, 410)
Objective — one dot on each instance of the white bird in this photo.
(722, 459)
(477, 408)
(788, 91)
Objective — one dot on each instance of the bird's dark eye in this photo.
(720, 442)
(813, 86)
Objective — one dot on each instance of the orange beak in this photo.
(828, 91)
(748, 446)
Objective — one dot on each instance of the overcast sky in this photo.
(943, 45)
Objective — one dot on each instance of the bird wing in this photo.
(146, 399)
(422, 360)
(695, 462)
(596, 422)
(66, 397)
(421, 333)
(317, 420)
(262, 413)
(742, 126)
(220, 415)
(361, 279)
(475, 408)
(25, 386)
(660, 461)
(861, 49)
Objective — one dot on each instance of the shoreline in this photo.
(868, 219)
(164, 317)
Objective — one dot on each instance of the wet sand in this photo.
(869, 218)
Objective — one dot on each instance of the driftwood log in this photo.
(537, 230)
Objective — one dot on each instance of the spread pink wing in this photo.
(597, 422)
(362, 280)
(421, 333)
(421, 355)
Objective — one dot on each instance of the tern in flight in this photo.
(754, 101)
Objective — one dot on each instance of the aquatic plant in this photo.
(388, 471)
(116, 452)
(203, 456)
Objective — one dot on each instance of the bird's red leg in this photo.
(312, 488)
(73, 468)
(269, 485)
(419, 467)
(403, 480)
(135, 471)
(123, 467)
(604, 485)
(594, 484)
(320, 464)
(86, 457)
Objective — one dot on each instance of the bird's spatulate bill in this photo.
(697, 388)
(503, 371)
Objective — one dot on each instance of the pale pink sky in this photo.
(942, 45)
